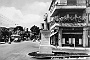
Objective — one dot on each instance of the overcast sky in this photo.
(24, 12)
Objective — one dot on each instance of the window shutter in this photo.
(71, 2)
(81, 2)
(63, 2)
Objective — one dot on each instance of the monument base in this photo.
(45, 49)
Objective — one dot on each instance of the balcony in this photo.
(71, 20)
(68, 22)
(59, 5)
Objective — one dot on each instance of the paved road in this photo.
(17, 51)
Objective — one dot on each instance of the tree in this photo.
(35, 30)
(18, 28)
(4, 33)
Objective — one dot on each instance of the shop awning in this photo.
(53, 34)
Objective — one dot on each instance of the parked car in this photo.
(16, 38)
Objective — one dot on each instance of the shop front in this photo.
(72, 40)
(72, 37)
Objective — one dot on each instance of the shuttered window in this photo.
(63, 2)
(81, 2)
(71, 2)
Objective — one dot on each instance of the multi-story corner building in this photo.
(70, 23)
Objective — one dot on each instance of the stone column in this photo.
(70, 40)
(80, 41)
(54, 40)
(60, 37)
(85, 37)
(75, 15)
(73, 41)
(63, 40)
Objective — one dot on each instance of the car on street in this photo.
(16, 38)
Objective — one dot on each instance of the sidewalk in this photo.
(3, 43)
(78, 48)
(71, 48)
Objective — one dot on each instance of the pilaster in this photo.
(85, 37)
(60, 37)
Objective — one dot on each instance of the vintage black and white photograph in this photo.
(44, 29)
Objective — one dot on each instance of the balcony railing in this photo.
(71, 20)
(64, 21)
(65, 3)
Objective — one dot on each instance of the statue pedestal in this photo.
(45, 47)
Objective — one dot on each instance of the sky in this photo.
(25, 12)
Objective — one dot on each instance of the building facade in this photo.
(70, 23)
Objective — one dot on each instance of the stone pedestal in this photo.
(45, 47)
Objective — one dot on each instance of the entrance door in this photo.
(89, 42)
(78, 41)
(66, 40)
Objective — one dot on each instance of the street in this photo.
(17, 51)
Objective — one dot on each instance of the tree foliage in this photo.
(18, 28)
(35, 30)
(3, 33)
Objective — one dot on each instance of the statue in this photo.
(45, 21)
